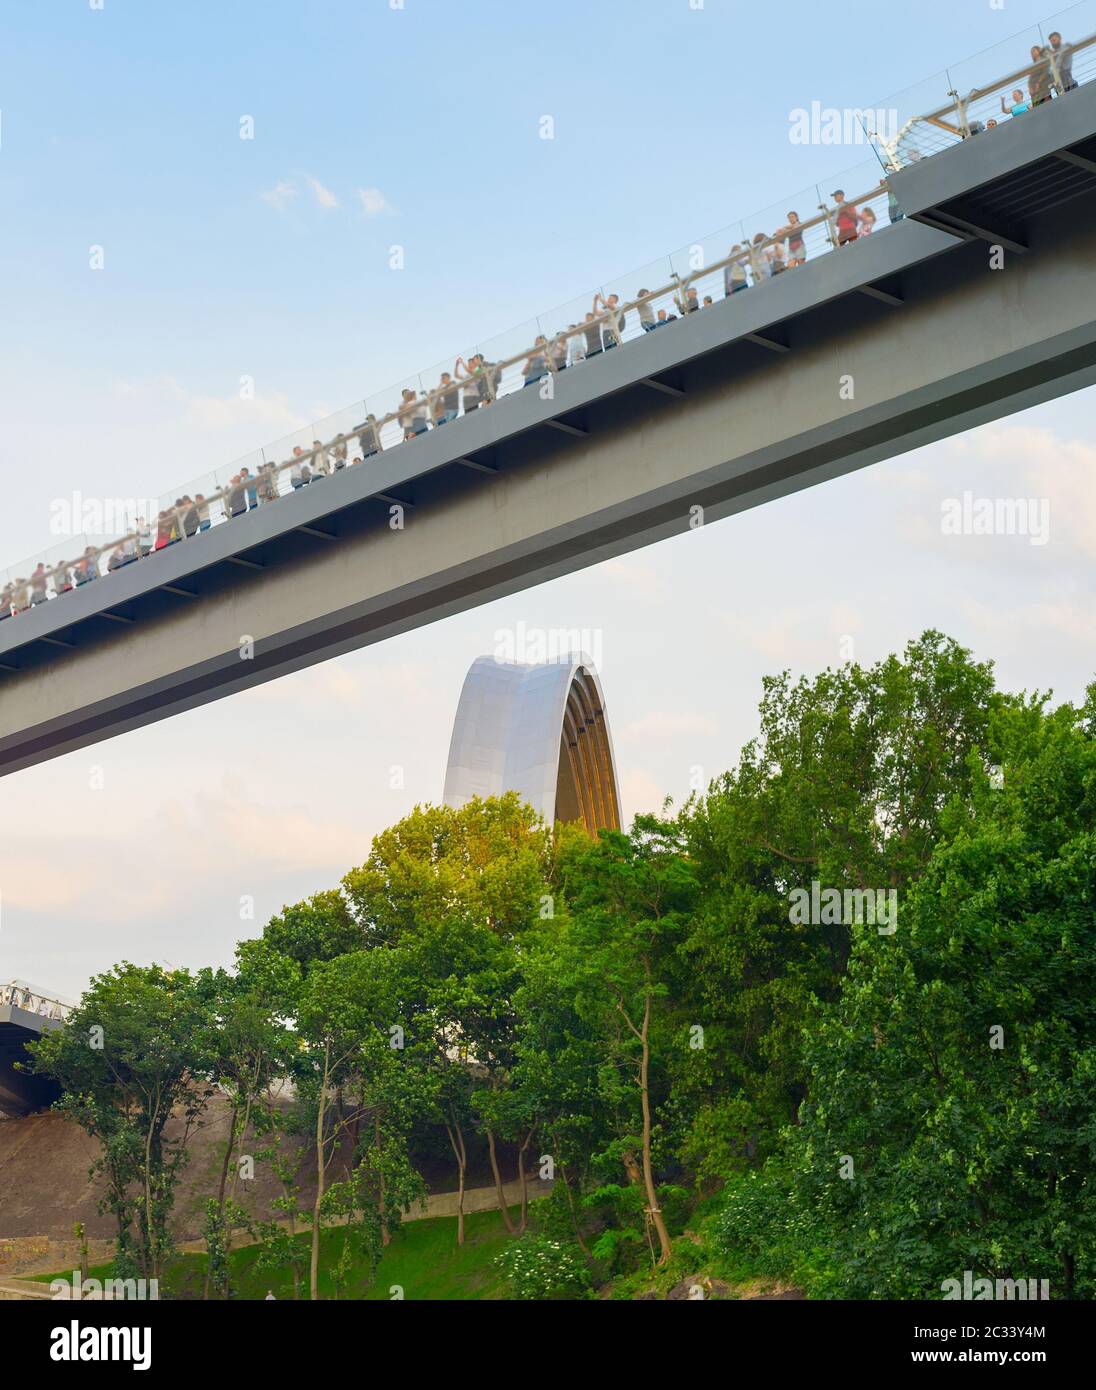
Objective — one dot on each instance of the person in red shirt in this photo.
(848, 219)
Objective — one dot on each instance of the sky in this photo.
(270, 260)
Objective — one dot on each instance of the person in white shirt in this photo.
(321, 464)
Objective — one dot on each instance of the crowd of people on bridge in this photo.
(1050, 76)
(475, 383)
(21, 996)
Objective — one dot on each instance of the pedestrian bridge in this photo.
(973, 298)
(25, 1014)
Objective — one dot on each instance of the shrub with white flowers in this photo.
(539, 1268)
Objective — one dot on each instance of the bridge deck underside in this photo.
(20, 1092)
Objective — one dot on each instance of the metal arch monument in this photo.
(540, 731)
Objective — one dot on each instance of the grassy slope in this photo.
(423, 1259)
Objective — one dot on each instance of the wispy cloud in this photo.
(167, 396)
(374, 202)
(280, 195)
(326, 199)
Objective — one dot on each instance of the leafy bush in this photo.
(769, 1219)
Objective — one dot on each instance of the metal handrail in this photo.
(22, 996)
(976, 93)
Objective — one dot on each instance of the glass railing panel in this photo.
(1001, 83)
(443, 393)
(400, 412)
(866, 206)
(646, 298)
(912, 124)
(511, 359)
(572, 330)
(1071, 35)
(286, 464)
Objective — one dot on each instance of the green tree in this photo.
(456, 890)
(630, 897)
(318, 929)
(337, 1010)
(957, 1071)
(252, 1048)
(844, 787)
(134, 1055)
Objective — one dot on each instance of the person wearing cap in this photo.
(848, 219)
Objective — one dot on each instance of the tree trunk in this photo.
(151, 1256)
(241, 1141)
(456, 1141)
(524, 1187)
(386, 1234)
(503, 1210)
(229, 1145)
(571, 1207)
(648, 1174)
(321, 1110)
(1069, 1272)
